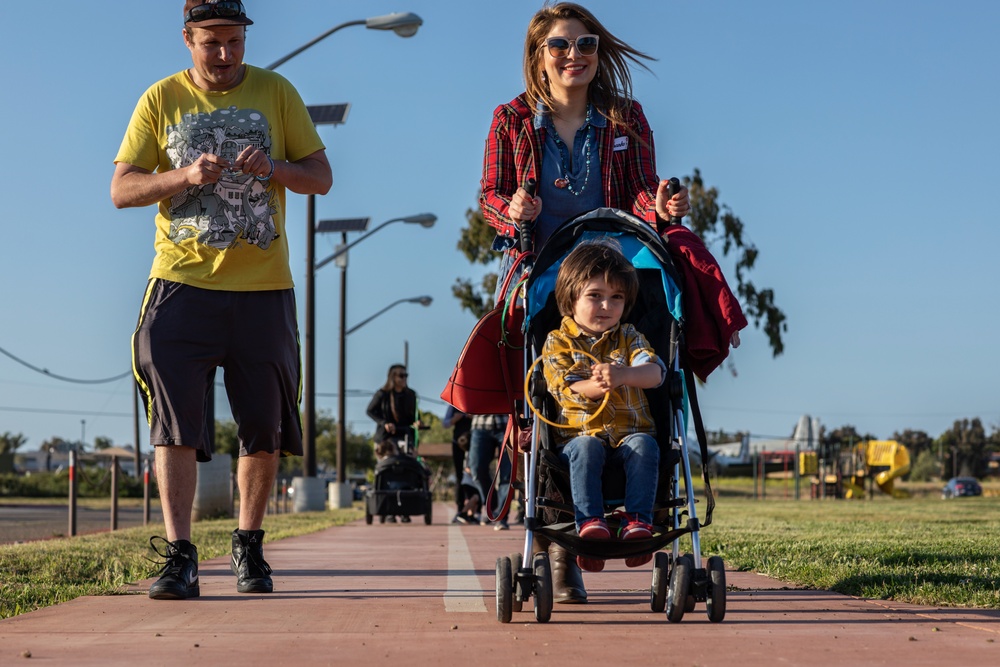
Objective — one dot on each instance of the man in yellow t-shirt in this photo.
(215, 147)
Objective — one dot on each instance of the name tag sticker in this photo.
(621, 143)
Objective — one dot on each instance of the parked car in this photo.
(961, 486)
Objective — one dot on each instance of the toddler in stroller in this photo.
(596, 367)
(638, 497)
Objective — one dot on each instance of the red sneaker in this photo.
(636, 530)
(595, 529)
(590, 564)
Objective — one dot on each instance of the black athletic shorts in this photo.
(184, 333)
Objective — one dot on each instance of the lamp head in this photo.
(423, 300)
(404, 24)
(422, 219)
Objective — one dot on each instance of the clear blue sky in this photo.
(857, 141)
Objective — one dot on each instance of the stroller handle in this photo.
(527, 225)
(673, 188)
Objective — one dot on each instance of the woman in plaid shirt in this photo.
(595, 287)
(576, 130)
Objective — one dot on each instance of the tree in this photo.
(102, 442)
(715, 223)
(916, 442)
(226, 439)
(358, 449)
(436, 430)
(721, 437)
(476, 243)
(964, 447)
(9, 442)
(844, 438)
(925, 467)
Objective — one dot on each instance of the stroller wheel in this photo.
(661, 578)
(505, 586)
(381, 518)
(716, 600)
(543, 587)
(515, 565)
(677, 592)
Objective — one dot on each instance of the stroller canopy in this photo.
(640, 244)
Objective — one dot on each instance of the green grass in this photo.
(39, 574)
(920, 550)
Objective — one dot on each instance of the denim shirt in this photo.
(560, 204)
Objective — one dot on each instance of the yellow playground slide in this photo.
(882, 454)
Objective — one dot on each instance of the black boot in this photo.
(253, 574)
(179, 574)
(567, 580)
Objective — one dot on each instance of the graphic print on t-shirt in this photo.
(237, 208)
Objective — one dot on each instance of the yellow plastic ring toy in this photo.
(527, 377)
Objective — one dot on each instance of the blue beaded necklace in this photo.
(565, 181)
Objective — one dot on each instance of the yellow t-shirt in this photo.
(228, 235)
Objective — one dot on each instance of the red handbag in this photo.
(489, 375)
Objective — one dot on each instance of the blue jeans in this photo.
(586, 455)
(483, 447)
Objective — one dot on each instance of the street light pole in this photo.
(425, 220)
(341, 379)
(422, 300)
(309, 354)
(404, 24)
(342, 374)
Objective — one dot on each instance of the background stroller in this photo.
(679, 581)
(402, 488)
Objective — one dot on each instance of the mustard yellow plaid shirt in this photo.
(627, 411)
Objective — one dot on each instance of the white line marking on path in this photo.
(464, 593)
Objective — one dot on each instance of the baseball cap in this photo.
(208, 13)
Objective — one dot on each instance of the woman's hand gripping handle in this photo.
(672, 189)
(526, 223)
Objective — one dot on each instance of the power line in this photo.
(47, 373)
(53, 411)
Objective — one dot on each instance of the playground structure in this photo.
(832, 471)
(881, 462)
(849, 471)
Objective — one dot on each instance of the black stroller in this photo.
(401, 489)
(679, 581)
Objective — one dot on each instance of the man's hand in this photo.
(207, 168)
(253, 161)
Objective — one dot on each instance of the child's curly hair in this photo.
(601, 256)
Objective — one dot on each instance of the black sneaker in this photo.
(253, 574)
(179, 574)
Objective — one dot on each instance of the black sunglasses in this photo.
(212, 10)
(402, 375)
(559, 47)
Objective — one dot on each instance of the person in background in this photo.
(485, 444)
(215, 147)
(460, 425)
(393, 408)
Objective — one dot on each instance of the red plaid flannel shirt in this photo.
(513, 149)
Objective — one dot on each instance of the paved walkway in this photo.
(413, 595)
